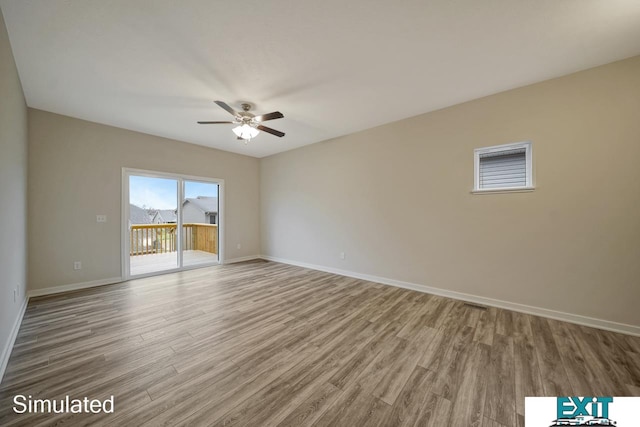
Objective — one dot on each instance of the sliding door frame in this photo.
(125, 243)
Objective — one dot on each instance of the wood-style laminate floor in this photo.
(266, 344)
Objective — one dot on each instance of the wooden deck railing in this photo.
(147, 239)
(200, 237)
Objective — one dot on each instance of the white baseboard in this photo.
(73, 287)
(8, 347)
(242, 259)
(522, 308)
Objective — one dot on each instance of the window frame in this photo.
(527, 145)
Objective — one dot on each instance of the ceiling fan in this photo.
(249, 125)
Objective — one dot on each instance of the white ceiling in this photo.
(331, 67)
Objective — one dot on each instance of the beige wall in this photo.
(75, 170)
(13, 193)
(396, 199)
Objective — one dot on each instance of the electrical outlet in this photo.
(239, 246)
(77, 265)
(101, 218)
(342, 255)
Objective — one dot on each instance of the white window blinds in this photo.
(503, 169)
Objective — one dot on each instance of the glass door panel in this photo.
(199, 223)
(152, 222)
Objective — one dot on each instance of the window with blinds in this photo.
(503, 167)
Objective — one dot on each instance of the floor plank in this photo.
(412, 399)
(500, 398)
(527, 371)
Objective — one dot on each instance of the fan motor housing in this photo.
(245, 115)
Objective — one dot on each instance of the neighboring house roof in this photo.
(166, 215)
(137, 215)
(205, 204)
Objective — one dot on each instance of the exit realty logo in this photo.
(582, 411)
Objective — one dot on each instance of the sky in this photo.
(161, 193)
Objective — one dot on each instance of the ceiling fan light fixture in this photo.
(245, 131)
(248, 124)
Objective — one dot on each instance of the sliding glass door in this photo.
(170, 222)
(152, 224)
